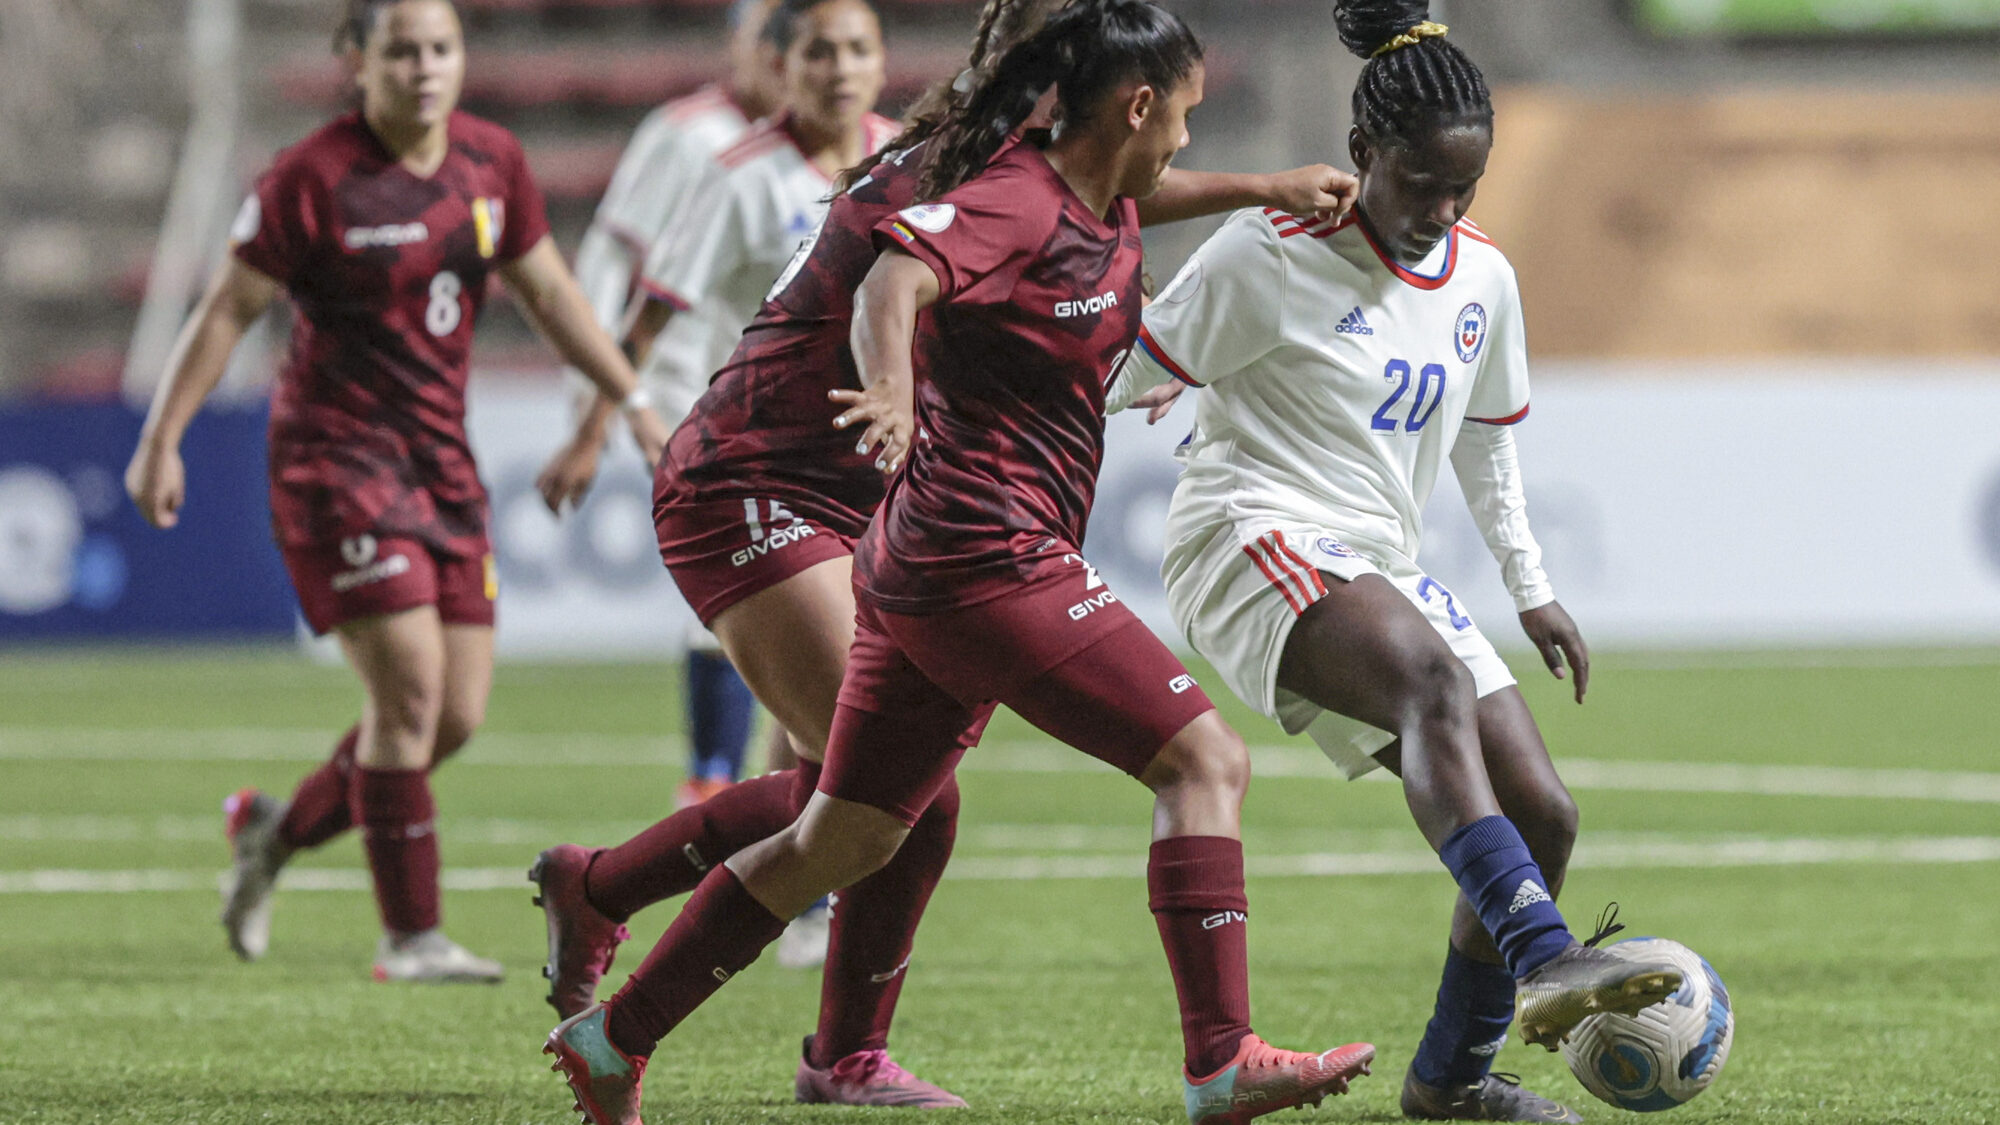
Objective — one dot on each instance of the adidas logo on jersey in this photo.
(1528, 894)
(1354, 324)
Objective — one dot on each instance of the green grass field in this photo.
(1841, 870)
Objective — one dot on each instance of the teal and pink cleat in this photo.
(867, 1078)
(605, 1079)
(1262, 1079)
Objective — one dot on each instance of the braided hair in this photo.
(1085, 50)
(1002, 23)
(357, 23)
(1416, 82)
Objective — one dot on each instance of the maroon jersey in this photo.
(1037, 298)
(387, 272)
(765, 428)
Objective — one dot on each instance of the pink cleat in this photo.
(604, 1078)
(867, 1078)
(1262, 1078)
(582, 941)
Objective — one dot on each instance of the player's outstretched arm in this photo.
(896, 289)
(1316, 189)
(556, 307)
(155, 478)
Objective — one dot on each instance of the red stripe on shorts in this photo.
(1291, 599)
(1310, 571)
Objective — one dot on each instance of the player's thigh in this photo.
(1524, 780)
(789, 641)
(1366, 651)
(1123, 699)
(897, 736)
(468, 683)
(400, 659)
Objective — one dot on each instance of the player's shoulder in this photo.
(1480, 257)
(326, 152)
(708, 120)
(477, 135)
(878, 131)
(761, 144)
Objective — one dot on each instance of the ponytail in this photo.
(1086, 50)
(1415, 82)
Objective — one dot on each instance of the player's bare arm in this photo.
(885, 326)
(155, 478)
(556, 307)
(1318, 190)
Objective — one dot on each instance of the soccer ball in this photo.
(1667, 1053)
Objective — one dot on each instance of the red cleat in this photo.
(604, 1078)
(867, 1078)
(582, 941)
(1262, 1078)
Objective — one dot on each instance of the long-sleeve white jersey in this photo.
(1340, 383)
(758, 203)
(668, 157)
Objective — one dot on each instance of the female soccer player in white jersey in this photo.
(670, 155)
(1348, 360)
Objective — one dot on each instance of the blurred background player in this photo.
(670, 154)
(761, 435)
(966, 575)
(382, 228)
(1348, 360)
(747, 218)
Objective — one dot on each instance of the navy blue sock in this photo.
(1501, 880)
(720, 708)
(1475, 1003)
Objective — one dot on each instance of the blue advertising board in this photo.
(77, 562)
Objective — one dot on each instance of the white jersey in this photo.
(1340, 383)
(669, 156)
(740, 229)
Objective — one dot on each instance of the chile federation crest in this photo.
(1468, 333)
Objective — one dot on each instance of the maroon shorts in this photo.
(367, 577)
(722, 551)
(1063, 652)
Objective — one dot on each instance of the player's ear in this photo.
(1141, 104)
(1359, 150)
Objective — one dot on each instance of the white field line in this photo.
(1769, 852)
(569, 751)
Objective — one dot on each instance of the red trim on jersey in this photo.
(1271, 576)
(1152, 348)
(1318, 584)
(701, 101)
(1417, 279)
(1336, 228)
(665, 295)
(1472, 231)
(762, 138)
(1507, 421)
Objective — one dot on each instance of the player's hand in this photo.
(890, 422)
(1160, 400)
(1556, 636)
(157, 483)
(651, 433)
(567, 478)
(1319, 190)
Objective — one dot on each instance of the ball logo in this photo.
(358, 551)
(932, 218)
(1470, 333)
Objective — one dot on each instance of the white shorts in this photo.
(1238, 590)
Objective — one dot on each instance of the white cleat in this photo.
(431, 957)
(251, 820)
(803, 944)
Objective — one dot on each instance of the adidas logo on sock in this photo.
(1528, 894)
(1354, 324)
(1488, 1050)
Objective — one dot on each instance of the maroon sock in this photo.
(672, 856)
(874, 926)
(1195, 889)
(320, 805)
(399, 822)
(719, 933)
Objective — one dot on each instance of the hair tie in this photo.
(1410, 38)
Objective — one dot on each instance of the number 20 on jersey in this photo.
(1429, 396)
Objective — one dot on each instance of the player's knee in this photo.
(846, 853)
(1440, 688)
(1209, 756)
(1550, 826)
(456, 724)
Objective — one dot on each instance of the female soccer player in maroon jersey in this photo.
(759, 443)
(383, 228)
(1026, 276)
